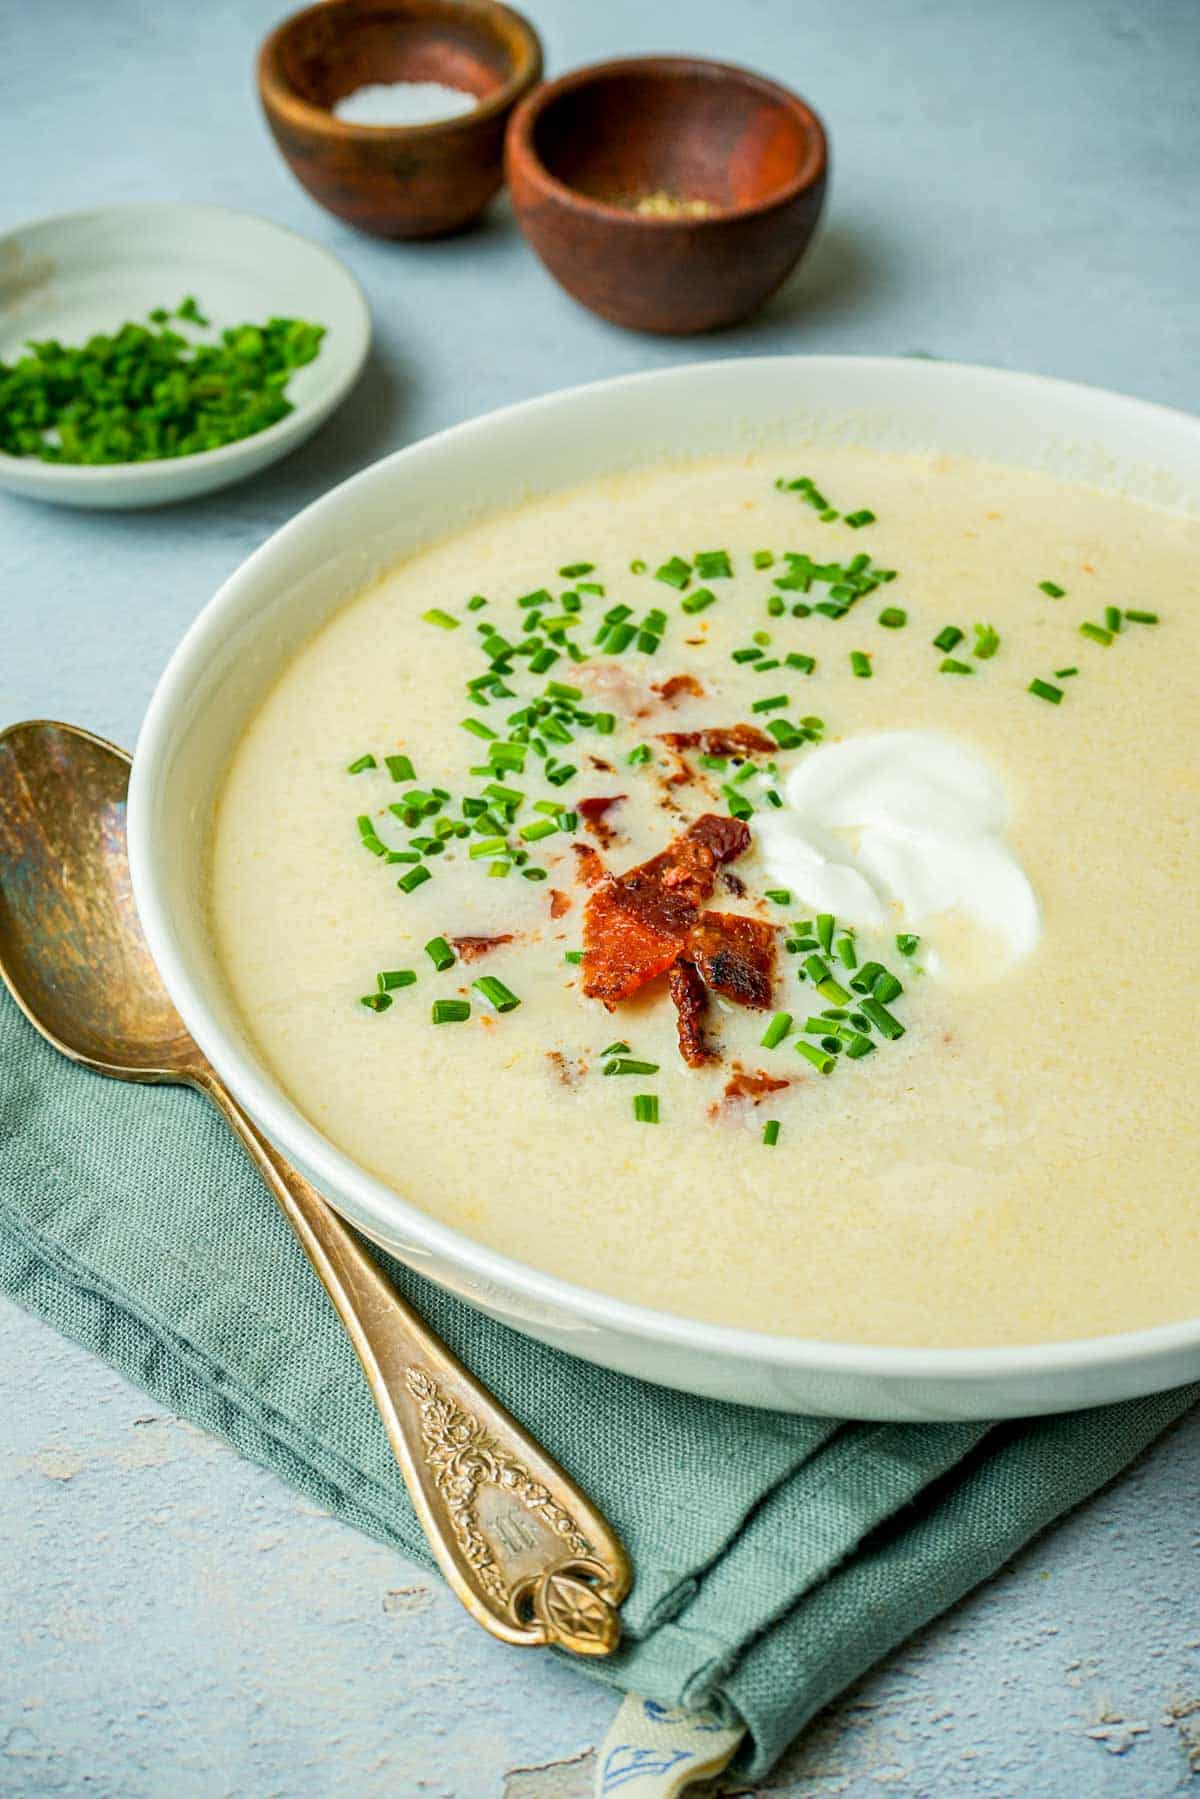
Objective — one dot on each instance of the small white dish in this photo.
(84, 272)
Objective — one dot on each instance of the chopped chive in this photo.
(541, 596)
(400, 768)
(858, 1045)
(507, 796)
(476, 602)
(570, 601)
(775, 606)
(1045, 691)
(950, 665)
(771, 704)
(819, 1058)
(893, 617)
(647, 642)
(860, 662)
(487, 846)
(641, 753)
(393, 856)
(816, 969)
(544, 659)
(1112, 618)
(948, 638)
(559, 690)
(762, 637)
(1061, 674)
(357, 767)
(391, 978)
(376, 1002)
(780, 895)
(1141, 618)
(907, 944)
(370, 839)
(770, 1134)
(496, 993)
(719, 763)
(987, 642)
(592, 587)
(697, 600)
(828, 514)
(1097, 633)
(628, 1065)
(833, 991)
(763, 559)
(645, 1108)
(825, 925)
(761, 668)
(863, 981)
(605, 723)
(435, 616)
(887, 988)
(1053, 589)
(637, 566)
(450, 1011)
(795, 659)
(882, 1019)
(500, 869)
(856, 520)
(619, 1048)
(712, 565)
(750, 654)
(540, 827)
(846, 951)
(416, 877)
(573, 956)
(477, 727)
(676, 572)
(619, 637)
(576, 568)
(777, 1030)
(440, 954)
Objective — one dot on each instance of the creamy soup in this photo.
(865, 1010)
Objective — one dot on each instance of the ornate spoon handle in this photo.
(528, 1554)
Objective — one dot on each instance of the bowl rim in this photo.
(520, 146)
(277, 93)
(374, 1205)
(84, 475)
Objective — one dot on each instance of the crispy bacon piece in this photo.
(592, 812)
(717, 740)
(471, 948)
(735, 956)
(560, 902)
(636, 927)
(677, 684)
(620, 952)
(744, 1085)
(591, 869)
(690, 998)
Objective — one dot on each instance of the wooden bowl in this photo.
(582, 152)
(405, 180)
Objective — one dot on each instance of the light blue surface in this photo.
(1013, 184)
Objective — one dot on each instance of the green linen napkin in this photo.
(776, 1557)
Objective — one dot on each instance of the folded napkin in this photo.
(776, 1557)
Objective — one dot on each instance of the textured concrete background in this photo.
(1013, 184)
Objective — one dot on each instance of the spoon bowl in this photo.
(74, 958)
(70, 938)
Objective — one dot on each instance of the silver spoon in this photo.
(528, 1554)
